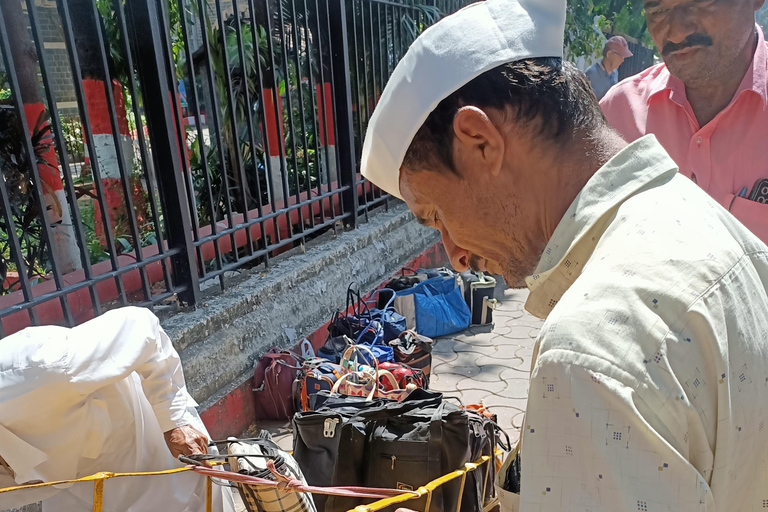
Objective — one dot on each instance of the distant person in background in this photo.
(604, 74)
(707, 103)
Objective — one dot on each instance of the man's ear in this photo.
(479, 142)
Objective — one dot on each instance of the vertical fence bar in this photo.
(249, 121)
(77, 78)
(214, 113)
(288, 98)
(315, 112)
(148, 47)
(119, 150)
(343, 103)
(322, 108)
(264, 118)
(297, 49)
(232, 102)
(63, 157)
(29, 153)
(278, 118)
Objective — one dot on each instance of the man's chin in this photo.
(514, 281)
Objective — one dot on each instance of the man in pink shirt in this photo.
(707, 103)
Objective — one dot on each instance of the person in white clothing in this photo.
(649, 385)
(108, 395)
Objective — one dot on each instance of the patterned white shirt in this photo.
(649, 387)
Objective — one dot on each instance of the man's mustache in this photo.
(688, 42)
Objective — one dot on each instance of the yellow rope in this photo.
(101, 476)
(425, 490)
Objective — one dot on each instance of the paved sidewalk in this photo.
(491, 366)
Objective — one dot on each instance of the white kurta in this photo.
(649, 390)
(97, 397)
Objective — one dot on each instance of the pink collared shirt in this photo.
(726, 155)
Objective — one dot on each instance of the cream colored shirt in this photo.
(649, 390)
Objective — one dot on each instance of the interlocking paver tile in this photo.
(507, 363)
(497, 387)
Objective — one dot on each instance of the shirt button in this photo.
(698, 141)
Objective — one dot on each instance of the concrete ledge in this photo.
(220, 341)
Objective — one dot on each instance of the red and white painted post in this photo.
(276, 139)
(64, 243)
(106, 154)
(325, 120)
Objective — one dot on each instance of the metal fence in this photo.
(148, 147)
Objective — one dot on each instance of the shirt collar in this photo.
(635, 167)
(754, 80)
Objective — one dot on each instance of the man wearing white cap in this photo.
(604, 73)
(649, 387)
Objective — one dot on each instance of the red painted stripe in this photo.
(274, 129)
(328, 114)
(98, 111)
(234, 413)
(49, 174)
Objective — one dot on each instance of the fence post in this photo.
(342, 101)
(148, 48)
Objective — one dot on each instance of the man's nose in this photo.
(459, 257)
(682, 23)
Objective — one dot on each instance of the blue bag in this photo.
(360, 327)
(391, 321)
(438, 307)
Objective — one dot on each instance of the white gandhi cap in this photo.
(444, 58)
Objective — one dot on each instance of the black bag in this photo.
(330, 444)
(359, 327)
(411, 449)
(479, 290)
(484, 435)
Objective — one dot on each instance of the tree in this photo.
(63, 242)
(762, 17)
(587, 20)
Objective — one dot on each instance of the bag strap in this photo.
(435, 443)
(346, 376)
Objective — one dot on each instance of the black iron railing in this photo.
(206, 136)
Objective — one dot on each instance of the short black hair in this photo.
(547, 90)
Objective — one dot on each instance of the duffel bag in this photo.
(273, 379)
(408, 450)
(403, 374)
(414, 350)
(316, 375)
(330, 444)
(392, 322)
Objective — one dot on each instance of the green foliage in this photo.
(762, 17)
(24, 203)
(115, 37)
(586, 19)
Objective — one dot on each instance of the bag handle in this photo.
(355, 300)
(345, 377)
(390, 302)
(359, 348)
(378, 333)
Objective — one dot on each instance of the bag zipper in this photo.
(394, 458)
